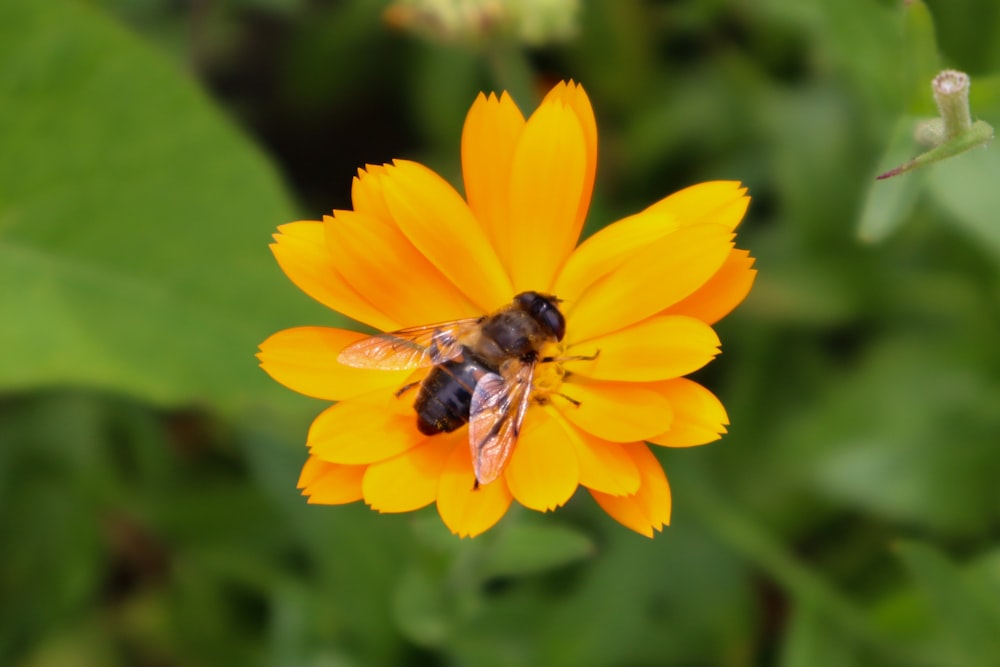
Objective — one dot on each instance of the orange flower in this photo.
(643, 292)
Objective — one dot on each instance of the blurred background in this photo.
(148, 510)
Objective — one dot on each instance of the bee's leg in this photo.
(570, 399)
(575, 357)
(405, 388)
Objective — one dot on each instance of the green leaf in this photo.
(890, 203)
(966, 187)
(134, 220)
(920, 56)
(525, 548)
(965, 611)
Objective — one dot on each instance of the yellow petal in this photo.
(660, 348)
(616, 411)
(304, 359)
(300, 248)
(573, 96)
(699, 416)
(723, 291)
(605, 466)
(546, 194)
(543, 471)
(650, 280)
(369, 428)
(439, 223)
(717, 202)
(714, 202)
(385, 269)
(409, 481)
(366, 193)
(648, 510)
(488, 141)
(330, 483)
(466, 510)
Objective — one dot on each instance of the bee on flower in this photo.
(514, 363)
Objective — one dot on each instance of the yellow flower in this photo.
(643, 292)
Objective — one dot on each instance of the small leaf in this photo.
(889, 204)
(525, 548)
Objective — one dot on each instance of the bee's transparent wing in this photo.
(499, 404)
(413, 347)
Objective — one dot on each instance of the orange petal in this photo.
(385, 269)
(648, 509)
(488, 141)
(543, 471)
(616, 411)
(650, 280)
(369, 428)
(366, 193)
(605, 466)
(330, 483)
(699, 416)
(660, 348)
(573, 96)
(304, 359)
(439, 223)
(409, 481)
(546, 194)
(723, 291)
(717, 202)
(300, 248)
(466, 510)
(714, 202)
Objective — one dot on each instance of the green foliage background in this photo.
(148, 511)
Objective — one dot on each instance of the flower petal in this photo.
(723, 291)
(366, 193)
(715, 202)
(605, 466)
(660, 348)
(650, 280)
(385, 269)
(543, 471)
(488, 141)
(439, 223)
(616, 411)
(465, 509)
(699, 417)
(546, 193)
(409, 481)
(304, 359)
(574, 97)
(648, 509)
(330, 483)
(369, 428)
(300, 248)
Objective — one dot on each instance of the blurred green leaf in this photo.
(134, 220)
(889, 203)
(966, 187)
(967, 614)
(421, 608)
(812, 640)
(920, 57)
(527, 548)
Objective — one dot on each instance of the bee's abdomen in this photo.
(446, 395)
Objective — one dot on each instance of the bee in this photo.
(481, 372)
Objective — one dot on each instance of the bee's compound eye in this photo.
(545, 311)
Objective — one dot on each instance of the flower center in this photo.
(548, 375)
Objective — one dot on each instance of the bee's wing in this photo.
(413, 347)
(499, 404)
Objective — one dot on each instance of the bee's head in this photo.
(544, 309)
